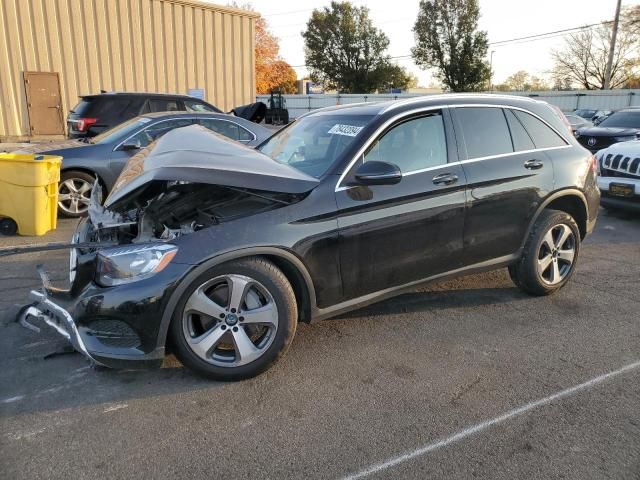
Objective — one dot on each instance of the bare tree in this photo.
(584, 57)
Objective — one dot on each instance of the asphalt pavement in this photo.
(464, 379)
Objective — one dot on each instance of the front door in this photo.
(391, 235)
(44, 103)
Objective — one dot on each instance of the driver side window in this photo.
(412, 145)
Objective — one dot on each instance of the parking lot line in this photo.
(378, 467)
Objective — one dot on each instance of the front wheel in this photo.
(549, 256)
(235, 320)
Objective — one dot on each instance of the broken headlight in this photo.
(120, 265)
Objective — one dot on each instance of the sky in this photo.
(502, 19)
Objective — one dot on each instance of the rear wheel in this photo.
(550, 254)
(235, 320)
(74, 193)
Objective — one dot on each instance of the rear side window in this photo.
(108, 107)
(164, 105)
(228, 129)
(485, 131)
(543, 136)
(521, 139)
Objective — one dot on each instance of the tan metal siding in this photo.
(133, 45)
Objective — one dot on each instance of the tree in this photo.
(447, 39)
(343, 50)
(522, 81)
(583, 59)
(271, 70)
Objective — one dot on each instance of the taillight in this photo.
(83, 124)
(563, 118)
(594, 164)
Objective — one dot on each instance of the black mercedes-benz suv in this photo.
(621, 126)
(218, 250)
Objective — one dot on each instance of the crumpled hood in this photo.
(607, 131)
(196, 154)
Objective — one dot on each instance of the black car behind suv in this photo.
(220, 250)
(98, 113)
(621, 126)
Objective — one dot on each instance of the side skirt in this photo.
(354, 304)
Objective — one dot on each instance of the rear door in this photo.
(391, 235)
(508, 174)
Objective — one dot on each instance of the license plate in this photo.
(621, 189)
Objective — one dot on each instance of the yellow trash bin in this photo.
(28, 193)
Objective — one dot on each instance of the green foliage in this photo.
(447, 39)
(344, 51)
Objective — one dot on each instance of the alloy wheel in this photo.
(230, 320)
(556, 254)
(74, 196)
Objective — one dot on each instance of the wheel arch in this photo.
(290, 265)
(571, 201)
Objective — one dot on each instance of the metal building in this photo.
(51, 51)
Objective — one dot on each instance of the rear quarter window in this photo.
(541, 134)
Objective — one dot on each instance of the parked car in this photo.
(577, 122)
(104, 156)
(619, 175)
(591, 115)
(621, 126)
(95, 114)
(224, 249)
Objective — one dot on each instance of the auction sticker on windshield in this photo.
(348, 130)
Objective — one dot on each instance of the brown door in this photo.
(44, 103)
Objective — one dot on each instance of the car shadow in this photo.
(39, 374)
(438, 300)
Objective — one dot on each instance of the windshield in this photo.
(116, 133)
(312, 144)
(622, 120)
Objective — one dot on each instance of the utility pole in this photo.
(491, 71)
(612, 47)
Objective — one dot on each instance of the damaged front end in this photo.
(124, 263)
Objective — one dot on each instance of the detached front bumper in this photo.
(117, 327)
(57, 317)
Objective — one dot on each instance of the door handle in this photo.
(445, 179)
(533, 164)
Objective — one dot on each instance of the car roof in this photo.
(378, 108)
(140, 94)
(182, 113)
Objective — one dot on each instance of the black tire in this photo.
(8, 227)
(525, 273)
(277, 285)
(77, 176)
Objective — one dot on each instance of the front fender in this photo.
(197, 270)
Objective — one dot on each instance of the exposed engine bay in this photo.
(165, 210)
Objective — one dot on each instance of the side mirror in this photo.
(377, 173)
(131, 145)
